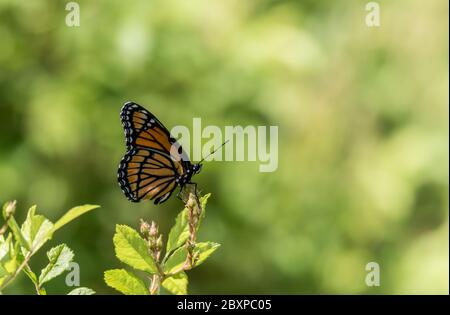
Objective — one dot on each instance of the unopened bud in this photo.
(191, 203)
(159, 242)
(145, 228)
(10, 208)
(153, 232)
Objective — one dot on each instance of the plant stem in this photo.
(4, 227)
(194, 211)
(156, 283)
(192, 203)
(28, 272)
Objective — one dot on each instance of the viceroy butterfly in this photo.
(155, 163)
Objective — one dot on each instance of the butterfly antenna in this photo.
(214, 151)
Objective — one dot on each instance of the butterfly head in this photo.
(196, 168)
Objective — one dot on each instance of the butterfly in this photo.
(155, 163)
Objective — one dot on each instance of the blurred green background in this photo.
(363, 134)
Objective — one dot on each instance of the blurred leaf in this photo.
(125, 282)
(15, 229)
(179, 233)
(176, 284)
(131, 249)
(176, 260)
(4, 254)
(12, 260)
(60, 258)
(4, 246)
(81, 291)
(36, 229)
(204, 250)
(3, 272)
(33, 277)
(72, 214)
(18, 235)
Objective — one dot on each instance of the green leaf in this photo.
(204, 250)
(131, 249)
(31, 275)
(42, 291)
(203, 202)
(18, 233)
(3, 272)
(5, 245)
(27, 270)
(201, 250)
(2, 279)
(125, 282)
(176, 284)
(72, 214)
(175, 261)
(179, 233)
(8, 257)
(35, 230)
(60, 258)
(9, 254)
(81, 291)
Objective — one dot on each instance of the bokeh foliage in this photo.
(362, 115)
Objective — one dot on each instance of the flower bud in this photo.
(145, 228)
(153, 232)
(10, 208)
(191, 201)
(159, 242)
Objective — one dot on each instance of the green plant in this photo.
(19, 244)
(144, 252)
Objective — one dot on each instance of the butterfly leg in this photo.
(186, 190)
(194, 185)
(184, 193)
(179, 194)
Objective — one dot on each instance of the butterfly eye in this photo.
(196, 168)
(180, 150)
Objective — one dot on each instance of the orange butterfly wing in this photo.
(154, 161)
(147, 174)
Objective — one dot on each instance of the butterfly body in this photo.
(155, 163)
